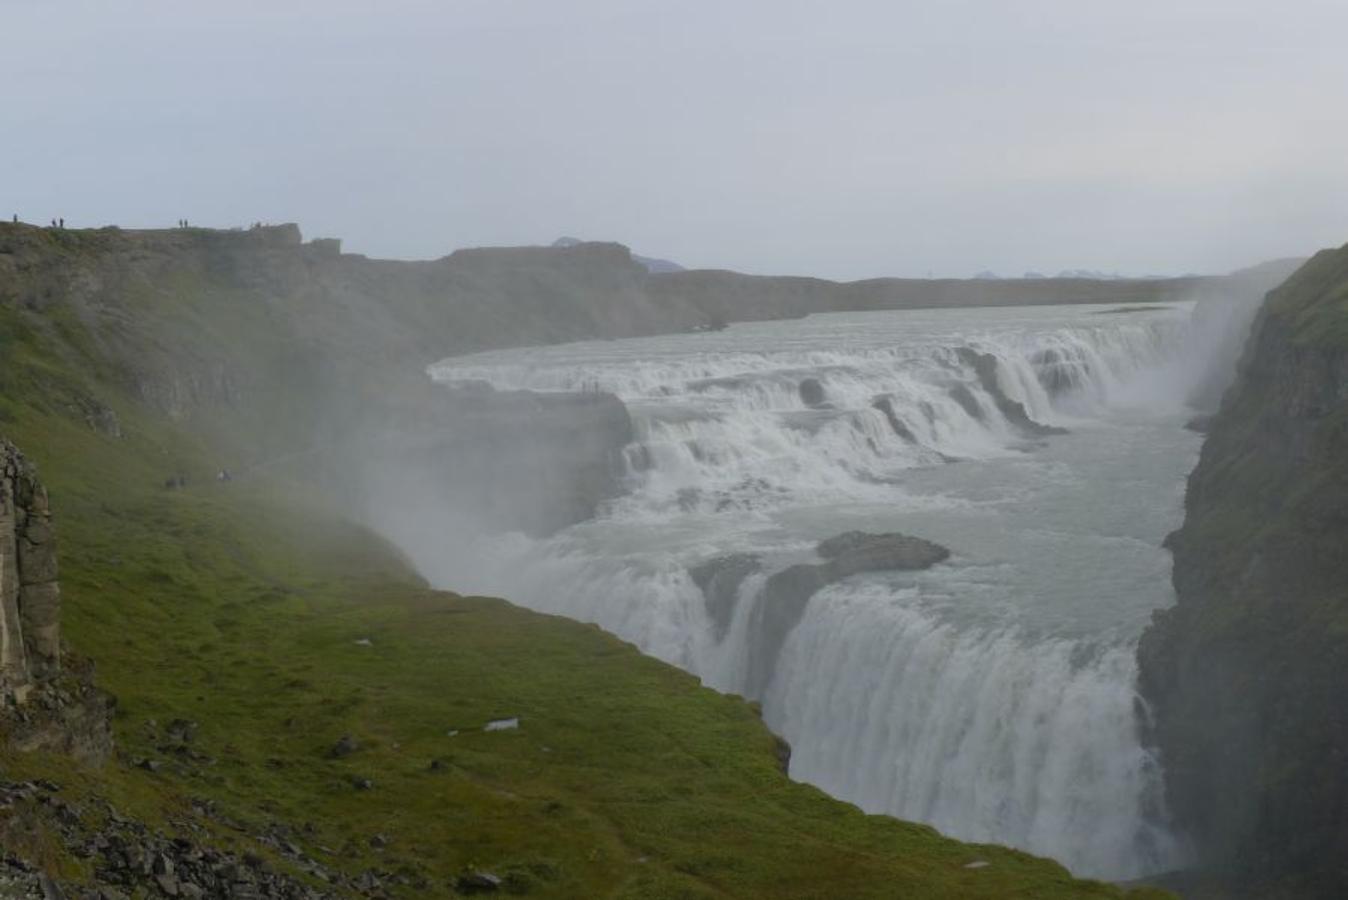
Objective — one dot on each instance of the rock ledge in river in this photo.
(859, 551)
(782, 601)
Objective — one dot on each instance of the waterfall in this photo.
(731, 429)
(978, 732)
(947, 697)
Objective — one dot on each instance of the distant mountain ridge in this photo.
(1081, 275)
(653, 265)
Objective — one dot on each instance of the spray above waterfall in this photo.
(990, 694)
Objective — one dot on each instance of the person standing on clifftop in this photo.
(63, 223)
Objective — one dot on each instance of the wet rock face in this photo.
(985, 367)
(1056, 372)
(781, 602)
(786, 593)
(30, 597)
(886, 406)
(719, 580)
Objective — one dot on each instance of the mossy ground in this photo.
(1314, 300)
(240, 606)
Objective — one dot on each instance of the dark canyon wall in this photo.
(1247, 677)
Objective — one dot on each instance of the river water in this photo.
(992, 695)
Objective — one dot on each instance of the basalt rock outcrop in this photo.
(30, 597)
(1245, 678)
(47, 702)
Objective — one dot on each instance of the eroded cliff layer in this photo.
(1246, 675)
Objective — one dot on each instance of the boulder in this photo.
(477, 882)
(812, 393)
(345, 746)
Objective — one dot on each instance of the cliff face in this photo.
(278, 352)
(30, 598)
(1246, 675)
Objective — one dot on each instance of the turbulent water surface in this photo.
(992, 695)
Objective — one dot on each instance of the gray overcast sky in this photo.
(842, 139)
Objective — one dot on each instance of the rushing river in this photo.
(992, 695)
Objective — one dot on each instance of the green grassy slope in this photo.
(240, 606)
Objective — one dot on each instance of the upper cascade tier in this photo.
(745, 419)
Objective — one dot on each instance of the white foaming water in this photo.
(973, 730)
(993, 695)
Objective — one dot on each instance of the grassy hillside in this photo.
(257, 610)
